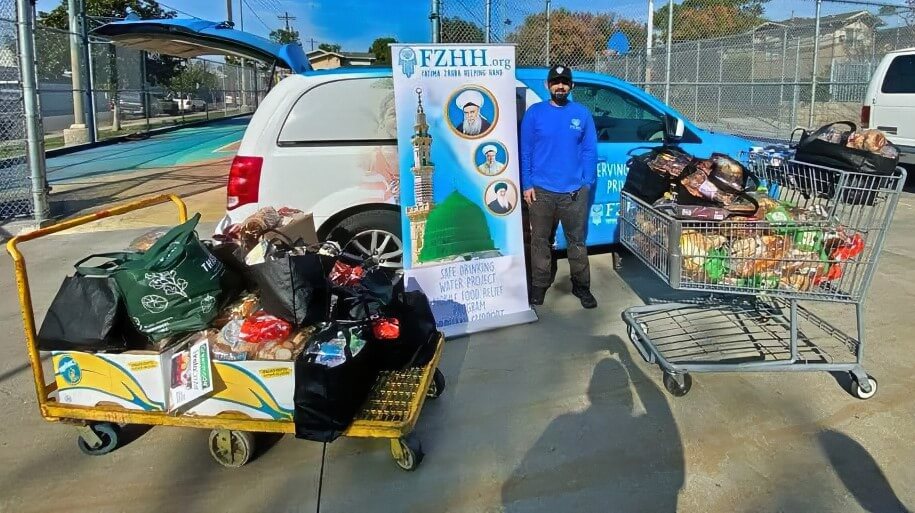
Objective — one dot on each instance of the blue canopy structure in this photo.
(195, 37)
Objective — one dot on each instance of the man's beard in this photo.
(560, 98)
(503, 201)
(473, 128)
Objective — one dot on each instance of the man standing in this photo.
(558, 169)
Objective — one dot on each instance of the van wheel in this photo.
(373, 235)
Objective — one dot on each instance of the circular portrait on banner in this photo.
(501, 197)
(490, 158)
(472, 112)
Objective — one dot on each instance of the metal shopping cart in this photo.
(757, 272)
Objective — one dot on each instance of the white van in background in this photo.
(890, 102)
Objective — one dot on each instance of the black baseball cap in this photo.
(559, 71)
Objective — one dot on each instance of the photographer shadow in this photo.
(606, 457)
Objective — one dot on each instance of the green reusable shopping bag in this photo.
(174, 287)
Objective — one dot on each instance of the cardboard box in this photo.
(256, 389)
(135, 380)
(299, 226)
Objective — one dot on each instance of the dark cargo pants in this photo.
(545, 212)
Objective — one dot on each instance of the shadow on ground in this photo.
(623, 450)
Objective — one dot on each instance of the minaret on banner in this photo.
(422, 180)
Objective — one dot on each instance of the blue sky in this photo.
(351, 23)
(354, 24)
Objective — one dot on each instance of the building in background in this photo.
(323, 59)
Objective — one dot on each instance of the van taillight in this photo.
(244, 181)
(865, 116)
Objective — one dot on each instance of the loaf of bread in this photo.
(874, 140)
(855, 141)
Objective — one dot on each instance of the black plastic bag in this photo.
(293, 288)
(645, 183)
(88, 314)
(418, 338)
(327, 398)
(868, 168)
(230, 254)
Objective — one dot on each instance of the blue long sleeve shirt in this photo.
(558, 147)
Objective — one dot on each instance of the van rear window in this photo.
(900, 77)
(350, 110)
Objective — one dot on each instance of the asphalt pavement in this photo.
(559, 415)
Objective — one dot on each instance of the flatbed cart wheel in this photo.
(674, 387)
(231, 448)
(437, 386)
(108, 435)
(407, 452)
(859, 392)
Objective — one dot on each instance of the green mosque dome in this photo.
(456, 226)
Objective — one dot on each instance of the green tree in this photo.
(382, 51)
(327, 47)
(456, 30)
(54, 47)
(196, 79)
(283, 36)
(575, 37)
(702, 19)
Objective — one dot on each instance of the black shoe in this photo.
(537, 294)
(584, 294)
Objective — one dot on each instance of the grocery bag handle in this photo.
(116, 258)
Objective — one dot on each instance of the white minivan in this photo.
(890, 102)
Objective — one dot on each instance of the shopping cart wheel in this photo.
(678, 384)
(407, 452)
(859, 392)
(231, 448)
(437, 386)
(98, 439)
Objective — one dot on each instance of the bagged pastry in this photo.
(694, 247)
(874, 140)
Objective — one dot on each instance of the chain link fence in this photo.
(122, 91)
(15, 183)
(757, 68)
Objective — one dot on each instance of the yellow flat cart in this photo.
(391, 411)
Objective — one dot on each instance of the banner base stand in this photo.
(459, 330)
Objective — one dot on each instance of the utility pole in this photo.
(312, 41)
(286, 17)
(77, 133)
(229, 10)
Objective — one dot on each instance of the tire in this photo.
(437, 386)
(358, 233)
(411, 450)
(674, 388)
(108, 432)
(858, 392)
(231, 448)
